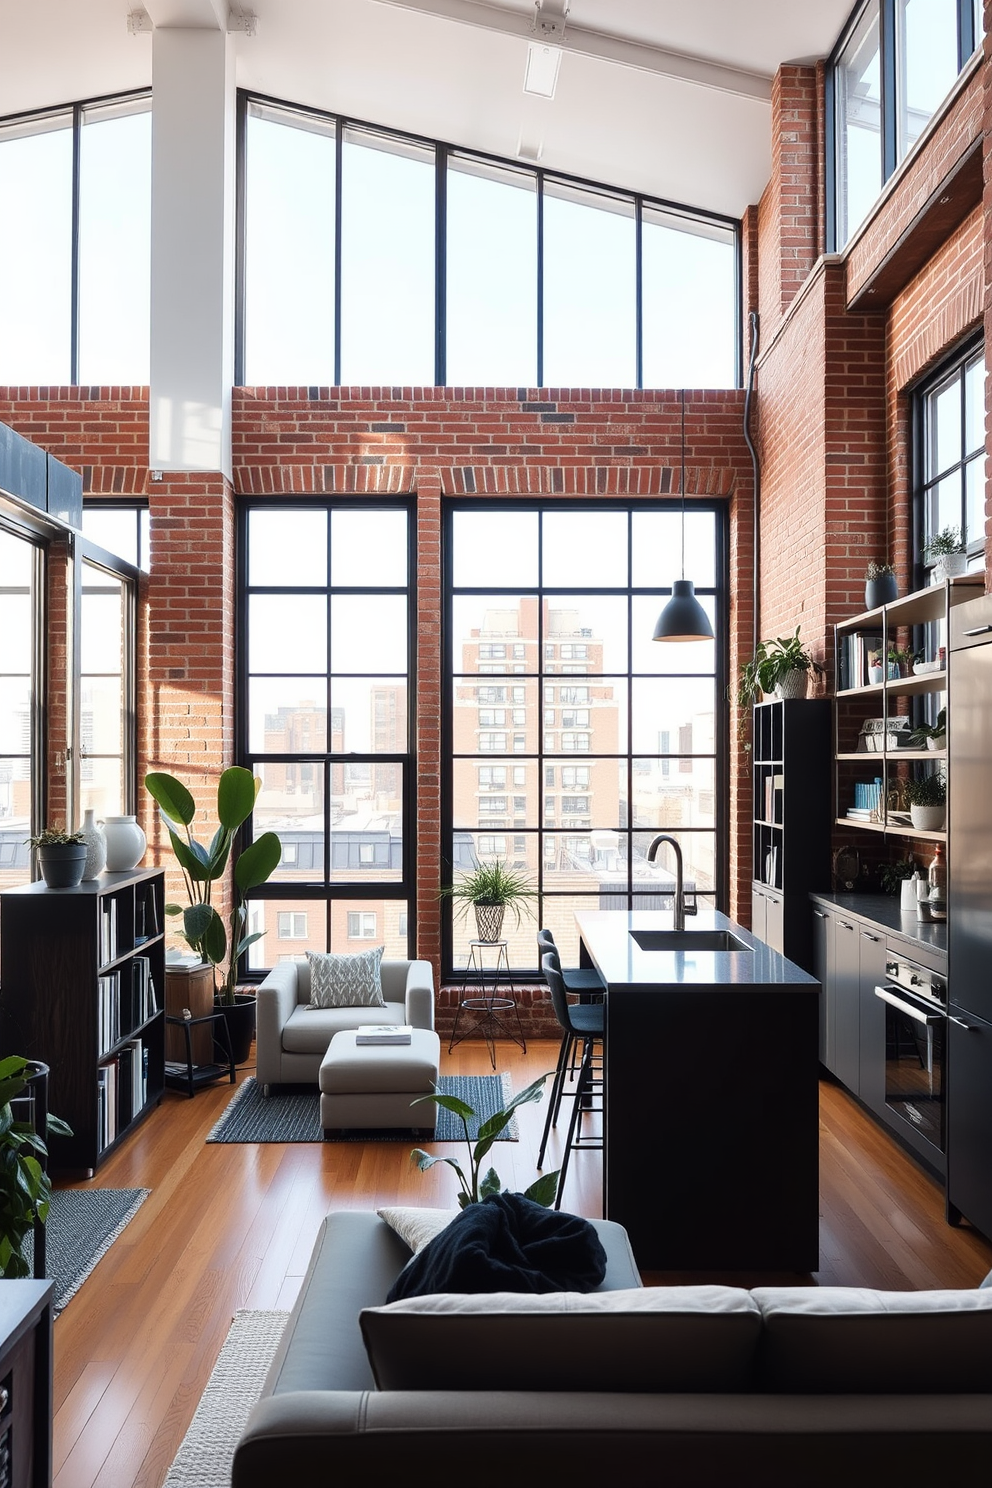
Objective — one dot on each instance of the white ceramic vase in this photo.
(96, 847)
(126, 843)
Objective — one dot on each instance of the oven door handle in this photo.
(929, 1019)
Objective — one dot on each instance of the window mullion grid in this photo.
(338, 193)
(639, 295)
(77, 130)
(440, 264)
(540, 279)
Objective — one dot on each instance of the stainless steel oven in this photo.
(915, 1051)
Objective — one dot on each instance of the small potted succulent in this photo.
(61, 856)
(880, 585)
(926, 797)
(945, 550)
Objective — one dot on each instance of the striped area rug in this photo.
(292, 1114)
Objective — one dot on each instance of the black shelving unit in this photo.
(790, 820)
(82, 981)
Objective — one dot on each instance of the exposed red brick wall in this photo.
(790, 212)
(959, 127)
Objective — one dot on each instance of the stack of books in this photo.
(383, 1033)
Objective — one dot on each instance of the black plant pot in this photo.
(880, 591)
(62, 864)
(240, 1021)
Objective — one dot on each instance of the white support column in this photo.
(192, 299)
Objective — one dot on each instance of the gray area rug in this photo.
(292, 1114)
(207, 1450)
(82, 1225)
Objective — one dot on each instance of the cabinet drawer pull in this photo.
(867, 935)
(979, 630)
(820, 915)
(960, 1023)
(845, 924)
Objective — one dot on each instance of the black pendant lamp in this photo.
(683, 618)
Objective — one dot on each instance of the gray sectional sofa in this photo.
(776, 1387)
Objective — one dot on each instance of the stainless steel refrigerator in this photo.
(969, 908)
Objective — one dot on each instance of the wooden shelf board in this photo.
(891, 828)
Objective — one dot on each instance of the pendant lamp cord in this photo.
(682, 472)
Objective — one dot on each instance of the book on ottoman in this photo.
(383, 1033)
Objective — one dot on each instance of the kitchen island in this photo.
(711, 1124)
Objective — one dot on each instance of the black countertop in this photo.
(625, 967)
(882, 911)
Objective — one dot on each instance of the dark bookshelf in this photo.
(790, 820)
(82, 987)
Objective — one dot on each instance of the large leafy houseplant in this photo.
(475, 1187)
(203, 928)
(25, 1187)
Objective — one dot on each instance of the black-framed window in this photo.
(104, 758)
(371, 256)
(949, 464)
(325, 680)
(624, 737)
(894, 64)
(75, 276)
(22, 701)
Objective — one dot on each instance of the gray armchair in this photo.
(291, 1038)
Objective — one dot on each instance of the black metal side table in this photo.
(190, 1076)
(488, 997)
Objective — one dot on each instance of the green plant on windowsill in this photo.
(475, 1187)
(25, 1187)
(943, 543)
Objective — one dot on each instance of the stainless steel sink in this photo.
(688, 940)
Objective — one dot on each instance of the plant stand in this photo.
(488, 997)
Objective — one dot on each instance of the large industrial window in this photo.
(75, 275)
(105, 726)
(549, 616)
(892, 68)
(374, 257)
(324, 718)
(950, 457)
(21, 702)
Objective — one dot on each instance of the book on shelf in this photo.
(108, 930)
(384, 1033)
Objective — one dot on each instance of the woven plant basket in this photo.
(792, 684)
(489, 921)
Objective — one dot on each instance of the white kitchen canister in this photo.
(96, 846)
(126, 843)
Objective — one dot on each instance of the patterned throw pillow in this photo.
(346, 981)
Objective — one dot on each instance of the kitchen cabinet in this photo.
(871, 1031)
(823, 969)
(844, 1006)
(969, 1119)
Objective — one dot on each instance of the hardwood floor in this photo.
(228, 1227)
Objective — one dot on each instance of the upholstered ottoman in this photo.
(373, 1084)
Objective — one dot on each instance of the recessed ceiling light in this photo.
(541, 75)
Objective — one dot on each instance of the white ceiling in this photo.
(409, 64)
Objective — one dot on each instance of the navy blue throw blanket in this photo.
(506, 1244)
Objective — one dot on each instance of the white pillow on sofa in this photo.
(417, 1226)
(346, 980)
(644, 1339)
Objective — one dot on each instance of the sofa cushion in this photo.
(648, 1339)
(853, 1340)
(345, 980)
(310, 1030)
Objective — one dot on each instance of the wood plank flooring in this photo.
(228, 1227)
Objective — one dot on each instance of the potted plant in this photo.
(61, 856)
(491, 889)
(926, 796)
(25, 1187)
(880, 585)
(946, 551)
(475, 1188)
(781, 666)
(931, 735)
(892, 876)
(203, 928)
